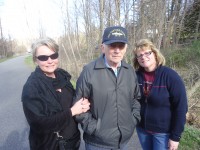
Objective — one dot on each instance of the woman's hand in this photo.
(80, 106)
(173, 145)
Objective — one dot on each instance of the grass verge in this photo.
(29, 62)
(6, 58)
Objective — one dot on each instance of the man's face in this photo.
(114, 53)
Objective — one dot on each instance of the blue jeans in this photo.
(152, 141)
(92, 147)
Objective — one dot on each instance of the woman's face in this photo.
(146, 59)
(48, 65)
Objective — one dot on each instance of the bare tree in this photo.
(182, 13)
(101, 18)
(1, 30)
(117, 5)
(84, 21)
(197, 27)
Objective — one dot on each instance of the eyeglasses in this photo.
(45, 57)
(146, 54)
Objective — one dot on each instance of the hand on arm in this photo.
(81, 106)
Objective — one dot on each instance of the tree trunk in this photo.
(181, 22)
(101, 11)
(197, 27)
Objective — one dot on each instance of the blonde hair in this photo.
(144, 44)
(50, 43)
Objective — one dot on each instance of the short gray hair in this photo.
(50, 43)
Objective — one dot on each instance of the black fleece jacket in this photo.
(47, 110)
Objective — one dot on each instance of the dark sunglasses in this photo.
(45, 57)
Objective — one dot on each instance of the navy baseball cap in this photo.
(114, 34)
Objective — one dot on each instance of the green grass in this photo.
(190, 139)
(73, 83)
(29, 62)
(4, 59)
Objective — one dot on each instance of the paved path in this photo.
(13, 126)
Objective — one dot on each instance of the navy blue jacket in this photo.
(165, 108)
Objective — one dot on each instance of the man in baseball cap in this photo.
(115, 34)
(114, 45)
(111, 86)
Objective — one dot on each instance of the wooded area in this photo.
(168, 23)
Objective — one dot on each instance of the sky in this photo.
(23, 19)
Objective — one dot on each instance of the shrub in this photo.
(182, 56)
(190, 139)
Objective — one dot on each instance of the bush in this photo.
(177, 59)
(182, 56)
(190, 139)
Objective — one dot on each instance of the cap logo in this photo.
(116, 33)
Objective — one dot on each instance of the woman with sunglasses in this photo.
(47, 101)
(163, 101)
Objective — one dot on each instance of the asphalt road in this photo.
(13, 126)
